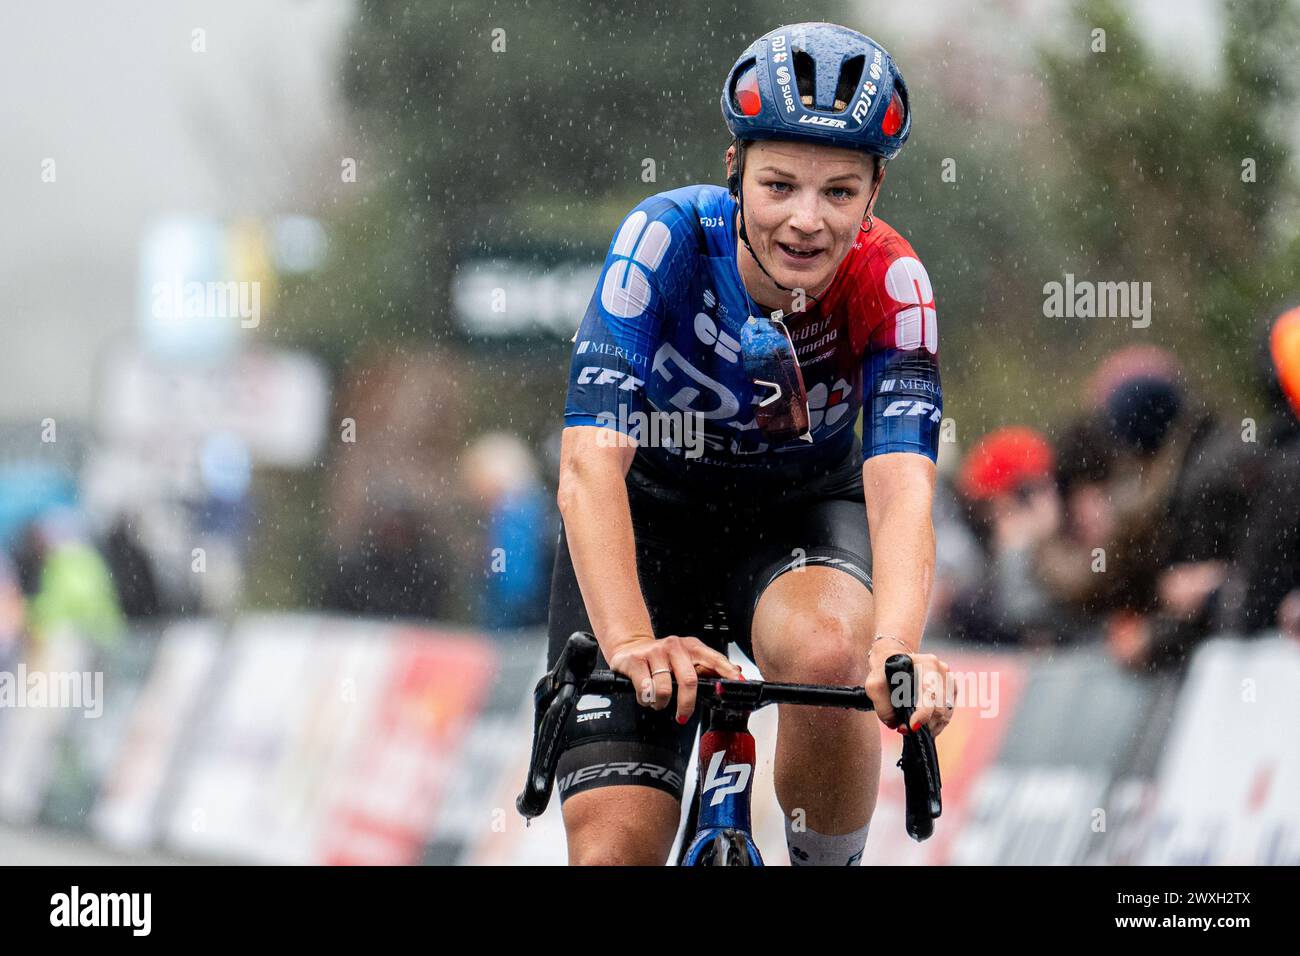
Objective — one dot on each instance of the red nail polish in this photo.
(681, 719)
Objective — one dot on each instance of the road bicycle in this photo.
(718, 821)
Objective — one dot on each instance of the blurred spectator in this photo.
(404, 418)
(132, 571)
(1126, 364)
(67, 582)
(959, 561)
(1007, 481)
(1066, 560)
(395, 569)
(500, 476)
(1179, 490)
(1262, 590)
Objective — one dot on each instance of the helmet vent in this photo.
(805, 78)
(744, 89)
(850, 77)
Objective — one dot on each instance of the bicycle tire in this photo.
(729, 848)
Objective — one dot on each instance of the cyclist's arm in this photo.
(904, 405)
(598, 525)
(902, 408)
(608, 372)
(899, 491)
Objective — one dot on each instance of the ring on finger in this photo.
(662, 670)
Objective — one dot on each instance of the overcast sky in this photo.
(138, 125)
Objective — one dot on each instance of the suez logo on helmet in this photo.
(783, 79)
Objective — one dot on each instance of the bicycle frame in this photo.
(720, 808)
(719, 816)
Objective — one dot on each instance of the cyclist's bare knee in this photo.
(620, 826)
(813, 627)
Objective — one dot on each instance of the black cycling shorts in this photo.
(703, 569)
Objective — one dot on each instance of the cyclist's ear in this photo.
(733, 168)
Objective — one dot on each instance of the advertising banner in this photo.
(1074, 733)
(386, 799)
(1228, 788)
(295, 693)
(989, 691)
(127, 813)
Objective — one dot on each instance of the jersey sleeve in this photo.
(623, 322)
(903, 394)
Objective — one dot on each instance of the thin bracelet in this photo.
(890, 637)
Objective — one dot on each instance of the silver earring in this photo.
(867, 226)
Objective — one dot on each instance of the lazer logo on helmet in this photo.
(822, 121)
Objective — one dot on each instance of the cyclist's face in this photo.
(804, 204)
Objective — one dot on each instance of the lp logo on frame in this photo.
(733, 779)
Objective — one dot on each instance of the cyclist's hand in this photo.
(936, 697)
(678, 659)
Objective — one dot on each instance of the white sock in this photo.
(809, 848)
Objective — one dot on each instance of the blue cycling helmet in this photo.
(819, 83)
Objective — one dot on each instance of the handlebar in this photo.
(557, 691)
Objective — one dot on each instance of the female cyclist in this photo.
(712, 485)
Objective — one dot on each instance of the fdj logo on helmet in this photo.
(863, 106)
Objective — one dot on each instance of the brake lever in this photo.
(923, 800)
(554, 698)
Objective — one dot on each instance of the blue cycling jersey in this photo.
(659, 349)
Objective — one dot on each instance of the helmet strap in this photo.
(871, 220)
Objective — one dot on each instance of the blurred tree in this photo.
(1157, 186)
(519, 125)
